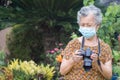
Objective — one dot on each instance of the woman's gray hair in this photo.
(84, 11)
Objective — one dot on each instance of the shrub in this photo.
(25, 43)
(25, 70)
(54, 58)
(5, 74)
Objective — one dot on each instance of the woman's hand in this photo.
(77, 57)
(94, 56)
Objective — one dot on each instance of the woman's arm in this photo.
(66, 66)
(106, 69)
(70, 57)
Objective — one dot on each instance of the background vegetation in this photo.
(38, 25)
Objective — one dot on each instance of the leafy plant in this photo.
(22, 41)
(53, 53)
(25, 70)
(2, 58)
(116, 56)
(52, 13)
(42, 21)
(74, 35)
(116, 69)
(54, 58)
(88, 2)
(108, 27)
(5, 74)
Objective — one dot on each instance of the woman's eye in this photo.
(89, 25)
(81, 25)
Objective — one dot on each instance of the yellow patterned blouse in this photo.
(78, 72)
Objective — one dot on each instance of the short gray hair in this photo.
(84, 11)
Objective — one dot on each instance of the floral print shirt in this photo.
(77, 72)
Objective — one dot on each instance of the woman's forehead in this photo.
(87, 19)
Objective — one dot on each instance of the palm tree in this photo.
(48, 18)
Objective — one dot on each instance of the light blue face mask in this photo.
(87, 32)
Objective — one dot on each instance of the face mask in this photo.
(87, 32)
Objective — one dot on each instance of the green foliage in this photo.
(54, 59)
(48, 72)
(74, 35)
(27, 70)
(108, 26)
(116, 69)
(2, 59)
(5, 16)
(88, 2)
(25, 43)
(53, 53)
(37, 18)
(5, 74)
(116, 45)
(116, 55)
(49, 12)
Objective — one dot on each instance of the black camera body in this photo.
(86, 57)
(87, 54)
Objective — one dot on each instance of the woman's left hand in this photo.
(94, 57)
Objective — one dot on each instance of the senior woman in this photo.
(89, 20)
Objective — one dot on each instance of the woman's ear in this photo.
(118, 37)
(97, 27)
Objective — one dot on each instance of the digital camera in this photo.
(86, 57)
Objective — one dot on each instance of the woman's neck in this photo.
(91, 41)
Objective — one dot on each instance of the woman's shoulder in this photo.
(104, 44)
(106, 52)
(74, 41)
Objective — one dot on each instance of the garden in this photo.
(40, 30)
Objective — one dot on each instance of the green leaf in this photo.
(88, 2)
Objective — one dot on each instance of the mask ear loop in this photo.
(97, 27)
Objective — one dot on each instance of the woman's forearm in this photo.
(66, 66)
(106, 69)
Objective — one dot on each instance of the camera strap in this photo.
(99, 51)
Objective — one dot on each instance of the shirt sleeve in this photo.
(106, 53)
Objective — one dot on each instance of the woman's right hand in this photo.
(77, 57)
